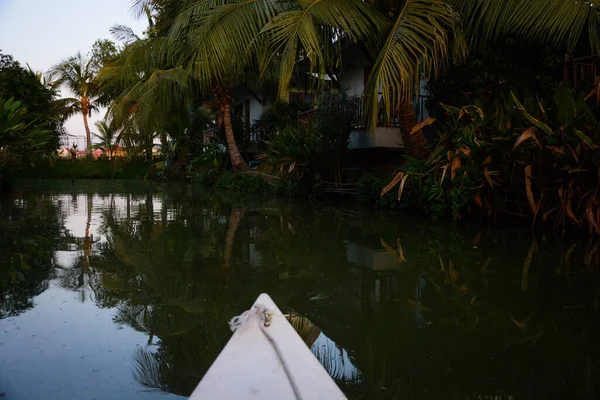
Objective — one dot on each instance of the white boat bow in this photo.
(257, 360)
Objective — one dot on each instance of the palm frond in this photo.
(417, 45)
(141, 8)
(548, 21)
(123, 33)
(188, 17)
(219, 41)
(147, 370)
(309, 30)
(66, 107)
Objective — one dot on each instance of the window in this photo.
(302, 97)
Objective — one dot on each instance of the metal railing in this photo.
(356, 107)
(578, 70)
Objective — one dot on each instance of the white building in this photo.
(352, 81)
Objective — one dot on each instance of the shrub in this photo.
(523, 155)
(82, 169)
(206, 178)
(369, 192)
(291, 188)
(278, 117)
(291, 151)
(242, 183)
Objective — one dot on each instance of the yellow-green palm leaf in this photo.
(418, 44)
(548, 21)
(218, 36)
(312, 29)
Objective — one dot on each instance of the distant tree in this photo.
(104, 51)
(107, 136)
(38, 98)
(78, 75)
(24, 85)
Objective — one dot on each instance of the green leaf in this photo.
(566, 109)
(545, 128)
(450, 109)
(583, 109)
(559, 94)
(585, 139)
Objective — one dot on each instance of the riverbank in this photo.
(417, 196)
(81, 169)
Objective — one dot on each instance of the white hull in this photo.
(249, 366)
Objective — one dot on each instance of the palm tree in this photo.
(216, 64)
(276, 35)
(220, 42)
(427, 34)
(107, 136)
(553, 22)
(76, 74)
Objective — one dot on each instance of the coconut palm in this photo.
(220, 42)
(219, 65)
(107, 136)
(151, 91)
(276, 35)
(76, 74)
(554, 22)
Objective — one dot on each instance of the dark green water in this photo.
(116, 290)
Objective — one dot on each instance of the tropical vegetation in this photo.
(107, 138)
(30, 122)
(177, 82)
(77, 75)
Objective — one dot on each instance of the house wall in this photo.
(352, 82)
(255, 107)
(352, 77)
(388, 137)
(382, 137)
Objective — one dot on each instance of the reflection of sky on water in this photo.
(335, 359)
(63, 349)
(67, 347)
(95, 353)
(65, 259)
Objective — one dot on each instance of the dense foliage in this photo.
(178, 83)
(22, 140)
(536, 157)
(24, 85)
(31, 120)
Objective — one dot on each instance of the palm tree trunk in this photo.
(234, 220)
(222, 97)
(415, 144)
(87, 240)
(237, 161)
(88, 135)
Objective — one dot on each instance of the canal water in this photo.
(122, 290)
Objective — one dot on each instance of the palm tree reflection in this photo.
(334, 358)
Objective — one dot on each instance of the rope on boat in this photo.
(266, 315)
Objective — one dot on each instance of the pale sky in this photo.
(43, 32)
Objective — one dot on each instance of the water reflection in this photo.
(392, 307)
(30, 234)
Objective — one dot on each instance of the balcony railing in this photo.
(356, 107)
(581, 70)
